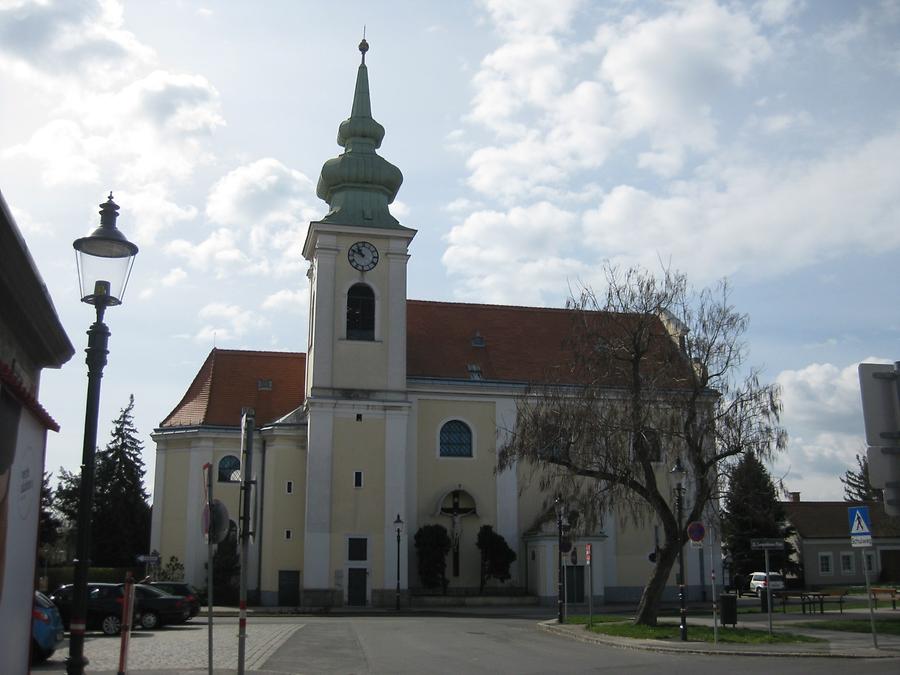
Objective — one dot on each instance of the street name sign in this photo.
(860, 526)
(767, 544)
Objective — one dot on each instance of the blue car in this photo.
(46, 628)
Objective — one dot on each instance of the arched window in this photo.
(229, 469)
(360, 313)
(456, 439)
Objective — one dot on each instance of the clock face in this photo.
(363, 256)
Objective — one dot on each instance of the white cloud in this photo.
(400, 210)
(823, 416)
(513, 256)
(533, 17)
(175, 276)
(762, 219)
(288, 300)
(264, 191)
(52, 41)
(263, 208)
(666, 70)
(227, 322)
(778, 11)
(220, 252)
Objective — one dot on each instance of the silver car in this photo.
(758, 582)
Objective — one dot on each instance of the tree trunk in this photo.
(648, 608)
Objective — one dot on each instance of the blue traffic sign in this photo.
(860, 524)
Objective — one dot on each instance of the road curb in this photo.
(579, 633)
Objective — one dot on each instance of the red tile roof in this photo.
(829, 520)
(520, 344)
(229, 381)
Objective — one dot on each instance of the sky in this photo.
(753, 141)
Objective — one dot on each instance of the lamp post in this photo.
(398, 523)
(560, 600)
(104, 259)
(678, 471)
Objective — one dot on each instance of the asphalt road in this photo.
(417, 644)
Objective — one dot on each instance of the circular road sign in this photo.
(696, 531)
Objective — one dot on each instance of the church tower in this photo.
(357, 406)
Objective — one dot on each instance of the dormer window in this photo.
(360, 313)
(477, 340)
(474, 371)
(264, 385)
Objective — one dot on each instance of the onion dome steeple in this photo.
(359, 184)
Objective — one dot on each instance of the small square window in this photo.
(847, 563)
(289, 487)
(288, 534)
(357, 479)
(357, 548)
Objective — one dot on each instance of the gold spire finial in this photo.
(364, 46)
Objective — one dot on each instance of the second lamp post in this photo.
(678, 471)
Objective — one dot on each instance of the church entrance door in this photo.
(356, 586)
(288, 588)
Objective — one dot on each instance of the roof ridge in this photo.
(487, 304)
(272, 352)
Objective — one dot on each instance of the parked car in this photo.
(104, 606)
(188, 592)
(46, 628)
(157, 608)
(758, 582)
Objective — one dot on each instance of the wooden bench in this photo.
(887, 593)
(821, 597)
(786, 597)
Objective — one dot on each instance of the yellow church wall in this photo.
(361, 364)
(174, 515)
(634, 542)
(285, 461)
(358, 446)
(438, 475)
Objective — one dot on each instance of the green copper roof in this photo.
(359, 184)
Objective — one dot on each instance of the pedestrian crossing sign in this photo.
(860, 526)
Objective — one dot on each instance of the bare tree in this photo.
(655, 371)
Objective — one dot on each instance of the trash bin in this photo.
(763, 601)
(728, 609)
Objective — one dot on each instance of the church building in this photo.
(391, 420)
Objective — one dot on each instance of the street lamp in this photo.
(398, 523)
(678, 471)
(560, 586)
(104, 260)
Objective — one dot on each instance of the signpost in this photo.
(861, 537)
(767, 545)
(587, 561)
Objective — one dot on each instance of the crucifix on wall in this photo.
(456, 505)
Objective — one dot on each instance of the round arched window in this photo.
(456, 439)
(229, 469)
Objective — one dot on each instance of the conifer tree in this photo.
(752, 511)
(121, 516)
(857, 487)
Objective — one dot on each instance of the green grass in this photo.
(882, 626)
(667, 631)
